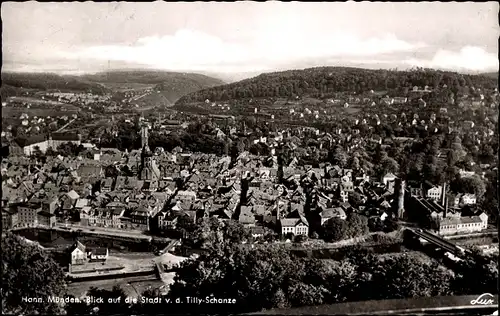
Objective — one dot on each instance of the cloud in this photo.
(189, 49)
(469, 58)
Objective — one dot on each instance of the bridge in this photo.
(438, 241)
(171, 245)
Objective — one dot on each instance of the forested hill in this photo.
(322, 80)
(12, 81)
(170, 85)
(155, 77)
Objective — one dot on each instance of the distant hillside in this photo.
(490, 74)
(47, 81)
(153, 77)
(171, 85)
(318, 81)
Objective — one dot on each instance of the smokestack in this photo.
(401, 198)
(278, 210)
(445, 207)
(443, 194)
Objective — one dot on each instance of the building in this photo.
(186, 196)
(148, 169)
(53, 141)
(330, 213)
(46, 218)
(463, 225)
(28, 214)
(97, 254)
(139, 219)
(390, 177)
(465, 199)
(433, 192)
(78, 254)
(9, 218)
(296, 226)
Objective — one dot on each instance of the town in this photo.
(234, 158)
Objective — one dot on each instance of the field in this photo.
(11, 112)
(352, 109)
(129, 86)
(154, 99)
(34, 100)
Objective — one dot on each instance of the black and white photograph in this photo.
(260, 158)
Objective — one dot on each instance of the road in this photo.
(131, 285)
(62, 128)
(104, 231)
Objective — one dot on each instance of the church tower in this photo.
(148, 171)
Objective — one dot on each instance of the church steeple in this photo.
(144, 140)
(149, 171)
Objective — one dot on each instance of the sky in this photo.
(243, 38)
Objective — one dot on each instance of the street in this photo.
(103, 231)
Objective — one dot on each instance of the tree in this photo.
(357, 225)
(340, 157)
(334, 229)
(252, 276)
(388, 165)
(37, 152)
(355, 163)
(473, 184)
(406, 276)
(50, 152)
(355, 198)
(375, 224)
(29, 271)
(113, 303)
(302, 294)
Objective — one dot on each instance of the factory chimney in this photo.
(400, 197)
(445, 207)
(443, 194)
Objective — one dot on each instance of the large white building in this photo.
(470, 224)
(29, 146)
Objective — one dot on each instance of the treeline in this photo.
(317, 82)
(153, 77)
(49, 81)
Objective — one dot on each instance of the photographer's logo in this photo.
(483, 299)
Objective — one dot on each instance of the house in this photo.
(330, 213)
(97, 254)
(9, 218)
(46, 218)
(390, 177)
(167, 220)
(400, 100)
(466, 174)
(28, 214)
(470, 224)
(433, 192)
(42, 143)
(107, 184)
(186, 196)
(257, 231)
(139, 219)
(78, 254)
(296, 226)
(247, 217)
(465, 199)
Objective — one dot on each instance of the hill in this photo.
(13, 82)
(169, 86)
(493, 75)
(316, 82)
(152, 77)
